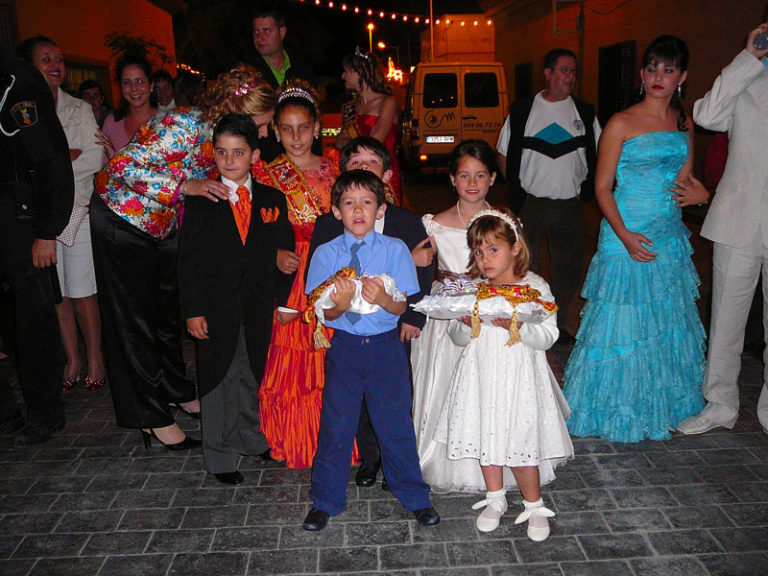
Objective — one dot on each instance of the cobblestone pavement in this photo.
(93, 501)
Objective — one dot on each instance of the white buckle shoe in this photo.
(489, 518)
(535, 533)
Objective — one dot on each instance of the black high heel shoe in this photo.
(186, 444)
(195, 415)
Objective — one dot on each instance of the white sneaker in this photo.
(537, 512)
(489, 518)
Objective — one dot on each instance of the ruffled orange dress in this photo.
(290, 397)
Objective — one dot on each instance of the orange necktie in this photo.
(242, 211)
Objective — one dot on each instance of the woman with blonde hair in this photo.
(135, 212)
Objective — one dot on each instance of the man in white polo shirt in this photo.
(548, 152)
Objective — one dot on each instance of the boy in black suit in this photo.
(230, 284)
(367, 153)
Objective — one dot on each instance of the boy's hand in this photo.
(408, 332)
(422, 255)
(374, 291)
(345, 291)
(287, 261)
(284, 317)
(198, 327)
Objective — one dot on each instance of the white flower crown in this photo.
(496, 214)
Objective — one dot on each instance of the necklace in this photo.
(458, 212)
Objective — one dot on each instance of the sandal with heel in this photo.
(94, 384)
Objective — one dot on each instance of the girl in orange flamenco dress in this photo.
(290, 397)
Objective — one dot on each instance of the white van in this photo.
(448, 102)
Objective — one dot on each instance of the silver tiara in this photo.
(500, 215)
(295, 93)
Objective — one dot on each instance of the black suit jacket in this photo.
(398, 223)
(232, 284)
(518, 117)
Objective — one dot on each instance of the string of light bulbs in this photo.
(396, 16)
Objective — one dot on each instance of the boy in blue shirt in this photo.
(366, 359)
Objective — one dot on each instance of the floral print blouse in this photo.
(142, 182)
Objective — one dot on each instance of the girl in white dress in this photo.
(433, 355)
(504, 407)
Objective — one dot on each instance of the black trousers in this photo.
(141, 320)
(564, 225)
(39, 356)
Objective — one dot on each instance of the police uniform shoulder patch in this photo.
(24, 113)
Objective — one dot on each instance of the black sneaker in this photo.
(35, 433)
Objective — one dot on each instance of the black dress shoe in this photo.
(384, 483)
(266, 455)
(13, 423)
(316, 520)
(366, 475)
(427, 516)
(229, 477)
(34, 433)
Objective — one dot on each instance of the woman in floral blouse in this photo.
(135, 210)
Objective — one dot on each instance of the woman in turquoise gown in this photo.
(636, 368)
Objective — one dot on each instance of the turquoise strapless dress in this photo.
(638, 362)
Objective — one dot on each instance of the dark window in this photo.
(616, 81)
(78, 72)
(440, 91)
(481, 90)
(523, 80)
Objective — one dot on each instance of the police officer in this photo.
(36, 195)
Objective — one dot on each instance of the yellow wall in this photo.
(80, 26)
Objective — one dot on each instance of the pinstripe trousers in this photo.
(230, 416)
